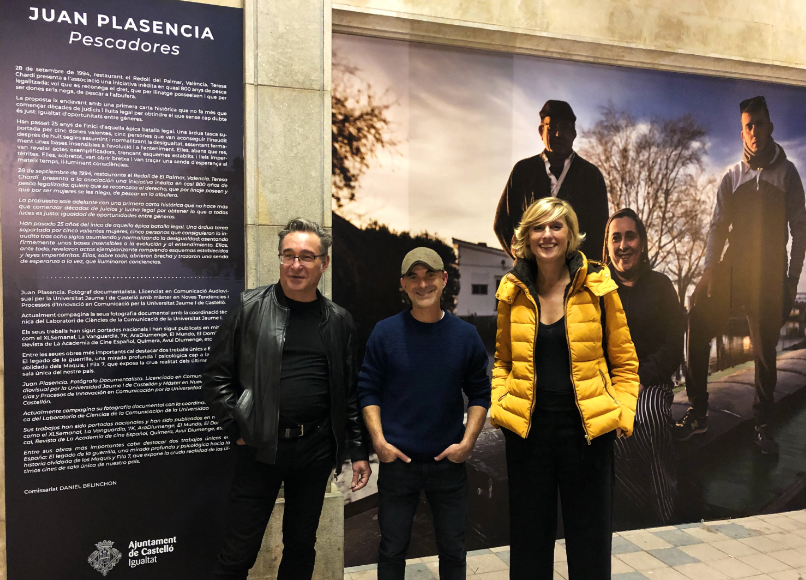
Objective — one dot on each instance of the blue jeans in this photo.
(399, 487)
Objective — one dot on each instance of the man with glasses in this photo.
(757, 199)
(410, 387)
(557, 172)
(280, 379)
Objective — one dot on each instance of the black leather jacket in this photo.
(241, 379)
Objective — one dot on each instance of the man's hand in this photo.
(459, 452)
(361, 473)
(387, 452)
(456, 453)
(704, 287)
(240, 441)
(619, 432)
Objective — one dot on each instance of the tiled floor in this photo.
(770, 547)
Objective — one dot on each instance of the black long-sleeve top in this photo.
(583, 187)
(657, 323)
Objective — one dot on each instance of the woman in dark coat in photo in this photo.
(645, 465)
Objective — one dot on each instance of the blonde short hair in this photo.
(546, 209)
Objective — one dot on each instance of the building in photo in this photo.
(480, 270)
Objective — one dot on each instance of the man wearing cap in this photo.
(757, 199)
(416, 367)
(557, 172)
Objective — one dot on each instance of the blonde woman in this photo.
(565, 385)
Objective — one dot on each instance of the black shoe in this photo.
(764, 440)
(692, 423)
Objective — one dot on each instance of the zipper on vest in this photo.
(534, 379)
(536, 302)
(571, 365)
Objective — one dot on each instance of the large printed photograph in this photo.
(687, 186)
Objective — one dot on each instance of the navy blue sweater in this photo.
(416, 372)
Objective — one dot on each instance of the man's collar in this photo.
(557, 183)
(779, 152)
(283, 299)
(568, 159)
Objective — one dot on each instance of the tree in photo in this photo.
(656, 167)
(367, 279)
(360, 128)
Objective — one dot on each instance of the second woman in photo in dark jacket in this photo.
(645, 469)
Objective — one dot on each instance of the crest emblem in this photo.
(105, 557)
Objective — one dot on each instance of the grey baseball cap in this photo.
(424, 256)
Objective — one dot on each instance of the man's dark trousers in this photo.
(764, 312)
(304, 465)
(399, 487)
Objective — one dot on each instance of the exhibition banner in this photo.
(121, 174)
(444, 146)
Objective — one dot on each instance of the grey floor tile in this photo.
(687, 526)
(677, 538)
(419, 572)
(363, 568)
(629, 576)
(735, 531)
(623, 546)
(479, 552)
(673, 556)
(504, 556)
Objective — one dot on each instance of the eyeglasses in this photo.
(307, 259)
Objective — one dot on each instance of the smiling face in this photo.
(624, 246)
(756, 130)
(548, 241)
(299, 279)
(424, 286)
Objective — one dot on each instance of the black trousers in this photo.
(304, 465)
(764, 318)
(399, 487)
(556, 457)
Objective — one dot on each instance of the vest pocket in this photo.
(606, 390)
